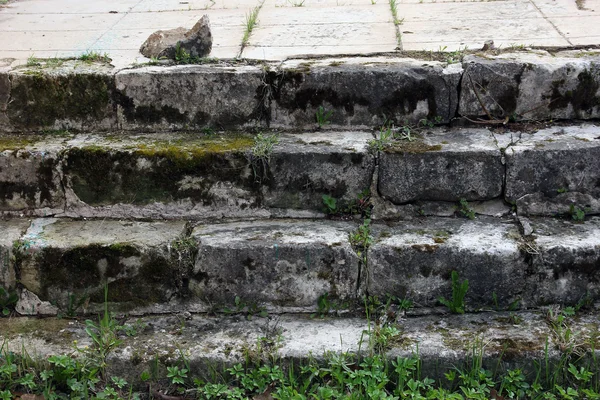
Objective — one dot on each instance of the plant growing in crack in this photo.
(260, 155)
(8, 300)
(323, 117)
(456, 304)
(251, 21)
(465, 209)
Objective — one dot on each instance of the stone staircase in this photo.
(151, 181)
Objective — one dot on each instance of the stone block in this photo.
(363, 92)
(190, 96)
(281, 262)
(442, 166)
(305, 167)
(139, 261)
(526, 86)
(10, 231)
(415, 261)
(30, 181)
(564, 261)
(551, 170)
(76, 95)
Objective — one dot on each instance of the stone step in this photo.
(358, 92)
(499, 340)
(63, 265)
(549, 170)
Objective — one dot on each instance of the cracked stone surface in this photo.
(554, 169)
(415, 260)
(283, 262)
(442, 165)
(526, 86)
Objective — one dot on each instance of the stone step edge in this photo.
(372, 90)
(155, 267)
(500, 339)
(153, 177)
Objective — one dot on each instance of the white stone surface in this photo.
(288, 28)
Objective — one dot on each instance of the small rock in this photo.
(30, 304)
(197, 42)
(526, 224)
(488, 45)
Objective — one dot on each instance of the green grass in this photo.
(251, 22)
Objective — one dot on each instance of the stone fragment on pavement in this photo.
(197, 42)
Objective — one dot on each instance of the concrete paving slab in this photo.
(178, 5)
(456, 35)
(579, 30)
(319, 29)
(558, 8)
(72, 42)
(50, 22)
(68, 7)
(465, 12)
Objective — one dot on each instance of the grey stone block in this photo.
(527, 86)
(138, 261)
(564, 261)
(10, 231)
(442, 166)
(305, 167)
(190, 96)
(363, 92)
(281, 262)
(30, 181)
(415, 261)
(76, 95)
(553, 169)
(197, 176)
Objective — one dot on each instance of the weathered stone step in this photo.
(359, 92)
(548, 171)
(62, 265)
(503, 340)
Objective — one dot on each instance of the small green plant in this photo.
(361, 238)
(182, 55)
(383, 141)
(297, 3)
(456, 304)
(466, 210)
(103, 334)
(577, 214)
(323, 306)
(250, 309)
(93, 56)
(323, 117)
(405, 133)
(394, 10)
(251, 21)
(74, 303)
(562, 190)
(8, 300)
(260, 154)
(330, 204)
(360, 206)
(32, 61)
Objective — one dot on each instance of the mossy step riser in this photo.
(358, 93)
(188, 176)
(553, 171)
(291, 264)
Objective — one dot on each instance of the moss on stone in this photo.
(39, 99)
(413, 147)
(100, 176)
